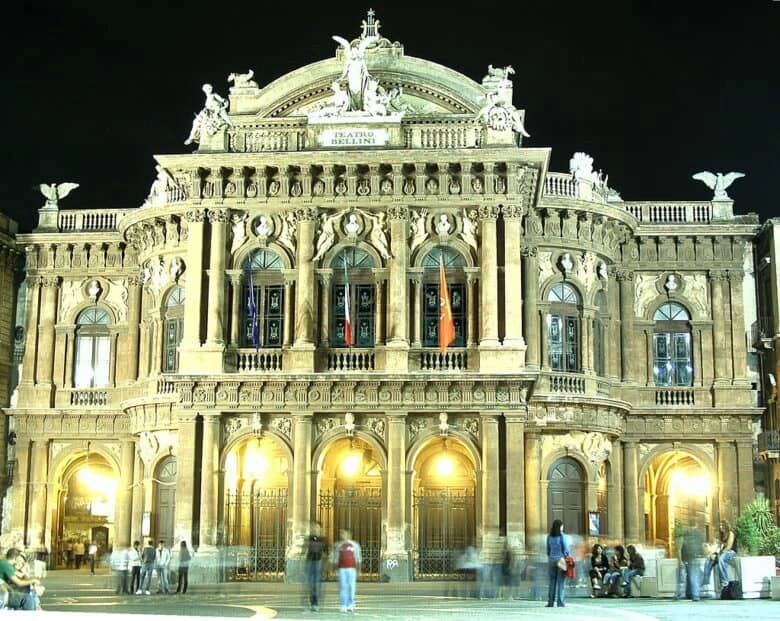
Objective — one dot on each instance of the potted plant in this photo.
(758, 537)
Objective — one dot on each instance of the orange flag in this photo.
(446, 324)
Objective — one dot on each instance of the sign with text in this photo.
(353, 137)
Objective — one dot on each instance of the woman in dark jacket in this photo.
(599, 566)
(557, 548)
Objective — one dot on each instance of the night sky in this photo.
(653, 91)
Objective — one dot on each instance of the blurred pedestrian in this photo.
(316, 549)
(184, 568)
(557, 548)
(92, 551)
(347, 557)
(689, 557)
(120, 563)
(134, 566)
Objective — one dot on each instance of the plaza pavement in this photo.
(75, 595)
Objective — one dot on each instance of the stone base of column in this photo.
(394, 358)
(499, 359)
(207, 359)
(300, 359)
(395, 568)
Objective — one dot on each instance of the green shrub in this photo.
(756, 530)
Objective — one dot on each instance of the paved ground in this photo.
(75, 595)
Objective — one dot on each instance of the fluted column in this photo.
(530, 294)
(137, 497)
(626, 283)
(124, 500)
(39, 469)
(488, 277)
(191, 338)
(737, 324)
(209, 480)
(301, 505)
(513, 277)
(398, 308)
(34, 290)
(491, 476)
(533, 499)
(45, 359)
(396, 485)
(305, 313)
(185, 475)
(515, 476)
(615, 521)
(630, 487)
(215, 331)
(720, 341)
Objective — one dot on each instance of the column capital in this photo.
(513, 212)
(488, 212)
(218, 215)
(195, 216)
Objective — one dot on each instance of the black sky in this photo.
(653, 91)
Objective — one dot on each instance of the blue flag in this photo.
(252, 309)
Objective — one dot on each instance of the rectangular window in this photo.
(362, 315)
(269, 301)
(92, 362)
(563, 342)
(432, 310)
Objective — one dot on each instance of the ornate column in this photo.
(185, 475)
(513, 277)
(236, 285)
(34, 291)
(302, 355)
(209, 483)
(215, 331)
(191, 338)
(615, 496)
(397, 358)
(530, 295)
(626, 283)
(533, 500)
(289, 281)
(515, 476)
(124, 501)
(302, 481)
(45, 358)
(739, 354)
(128, 362)
(488, 309)
(138, 496)
(630, 486)
(325, 287)
(416, 327)
(36, 503)
(719, 328)
(396, 547)
(727, 483)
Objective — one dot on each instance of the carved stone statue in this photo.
(243, 80)
(718, 182)
(212, 118)
(355, 70)
(581, 167)
(54, 192)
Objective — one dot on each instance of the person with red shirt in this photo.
(347, 557)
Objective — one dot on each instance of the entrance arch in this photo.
(351, 496)
(255, 510)
(86, 505)
(678, 490)
(444, 508)
(566, 495)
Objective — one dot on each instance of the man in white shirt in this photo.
(162, 562)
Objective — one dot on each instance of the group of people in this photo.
(21, 590)
(135, 566)
(78, 553)
(692, 548)
(610, 575)
(346, 557)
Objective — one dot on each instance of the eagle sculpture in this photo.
(54, 192)
(718, 182)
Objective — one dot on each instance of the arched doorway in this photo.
(444, 510)
(566, 495)
(165, 501)
(678, 492)
(255, 513)
(87, 502)
(351, 497)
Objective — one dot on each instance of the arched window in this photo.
(453, 265)
(353, 289)
(263, 318)
(173, 327)
(563, 328)
(93, 349)
(672, 359)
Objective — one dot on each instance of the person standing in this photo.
(184, 568)
(162, 563)
(347, 557)
(689, 554)
(134, 566)
(78, 552)
(315, 551)
(120, 563)
(92, 551)
(147, 568)
(557, 548)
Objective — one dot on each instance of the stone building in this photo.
(257, 345)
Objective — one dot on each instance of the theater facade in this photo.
(257, 345)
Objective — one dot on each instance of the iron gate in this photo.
(446, 524)
(256, 535)
(359, 511)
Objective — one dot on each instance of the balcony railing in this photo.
(671, 213)
(452, 360)
(251, 360)
(351, 360)
(675, 396)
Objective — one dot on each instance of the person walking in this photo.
(689, 555)
(147, 568)
(347, 557)
(557, 548)
(315, 551)
(184, 568)
(92, 551)
(120, 563)
(162, 563)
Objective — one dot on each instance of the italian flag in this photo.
(347, 318)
